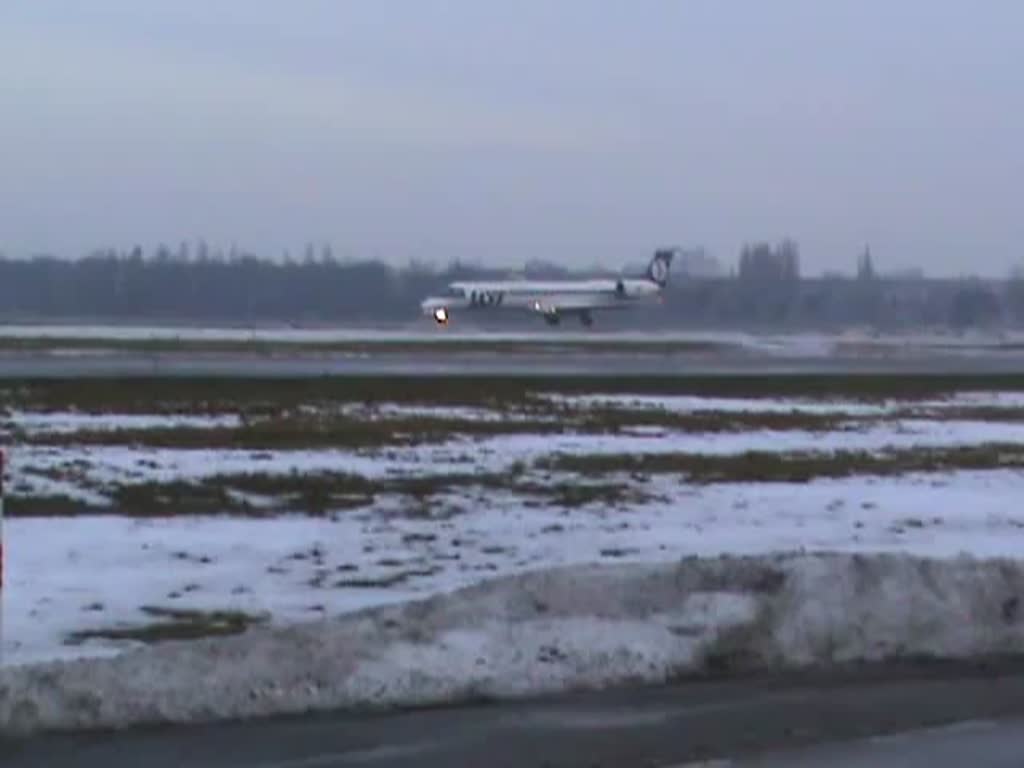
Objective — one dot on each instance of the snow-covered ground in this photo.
(86, 472)
(891, 435)
(63, 422)
(453, 412)
(93, 572)
(555, 630)
(819, 407)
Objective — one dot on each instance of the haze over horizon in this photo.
(569, 131)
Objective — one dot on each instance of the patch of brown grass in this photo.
(302, 432)
(272, 395)
(173, 624)
(796, 467)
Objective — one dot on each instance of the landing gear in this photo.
(587, 319)
(552, 318)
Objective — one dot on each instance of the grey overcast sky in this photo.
(575, 130)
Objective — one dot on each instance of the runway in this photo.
(120, 351)
(935, 716)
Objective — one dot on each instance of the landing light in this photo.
(441, 315)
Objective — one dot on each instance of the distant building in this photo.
(866, 266)
(760, 262)
(906, 274)
(834, 274)
(698, 263)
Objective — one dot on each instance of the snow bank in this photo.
(580, 627)
(89, 572)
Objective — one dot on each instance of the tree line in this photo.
(203, 287)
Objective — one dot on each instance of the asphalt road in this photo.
(982, 743)
(871, 717)
(567, 363)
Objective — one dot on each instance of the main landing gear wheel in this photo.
(552, 318)
(587, 319)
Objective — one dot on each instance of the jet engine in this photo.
(441, 315)
(631, 289)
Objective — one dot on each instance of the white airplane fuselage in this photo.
(552, 299)
(537, 296)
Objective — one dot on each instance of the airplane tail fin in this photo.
(657, 270)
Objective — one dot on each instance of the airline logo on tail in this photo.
(657, 270)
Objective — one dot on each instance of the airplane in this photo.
(554, 300)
